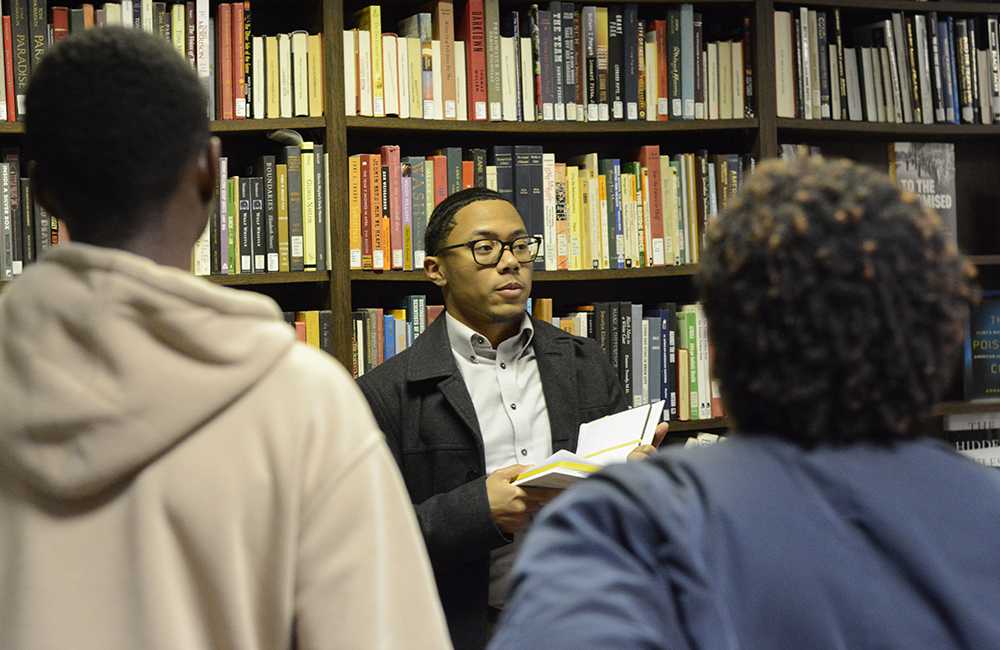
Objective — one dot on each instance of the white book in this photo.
(817, 95)
(491, 177)
(285, 74)
(712, 80)
(112, 14)
(890, 102)
(203, 60)
(390, 74)
(600, 443)
(834, 83)
(651, 79)
(704, 367)
(876, 63)
(805, 70)
(350, 74)
(300, 74)
(527, 81)
(737, 90)
(365, 105)
(902, 63)
(983, 70)
(725, 80)
(415, 77)
(438, 83)
(259, 86)
(783, 53)
(855, 111)
(549, 207)
(868, 81)
(126, 17)
(923, 65)
(508, 79)
(461, 85)
(147, 16)
(896, 91)
(202, 253)
(403, 76)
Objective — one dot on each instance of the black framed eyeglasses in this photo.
(487, 252)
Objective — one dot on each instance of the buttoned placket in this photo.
(506, 372)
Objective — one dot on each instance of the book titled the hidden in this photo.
(601, 443)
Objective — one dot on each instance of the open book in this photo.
(601, 442)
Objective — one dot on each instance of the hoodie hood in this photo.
(108, 360)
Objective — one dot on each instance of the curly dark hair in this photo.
(442, 220)
(113, 116)
(836, 304)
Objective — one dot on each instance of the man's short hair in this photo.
(835, 303)
(442, 220)
(113, 117)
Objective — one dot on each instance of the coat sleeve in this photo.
(457, 525)
(363, 579)
(589, 576)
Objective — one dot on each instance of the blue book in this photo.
(389, 336)
(946, 29)
(982, 350)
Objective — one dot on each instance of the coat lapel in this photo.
(554, 355)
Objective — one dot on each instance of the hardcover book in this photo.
(928, 170)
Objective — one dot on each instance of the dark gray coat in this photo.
(421, 403)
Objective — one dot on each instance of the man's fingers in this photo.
(511, 472)
(541, 495)
(661, 433)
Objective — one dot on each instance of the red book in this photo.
(239, 79)
(662, 72)
(366, 212)
(224, 71)
(60, 23)
(649, 157)
(300, 331)
(8, 73)
(390, 158)
(468, 174)
(440, 178)
(473, 30)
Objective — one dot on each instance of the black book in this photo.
(602, 328)
(357, 365)
(558, 67)
(977, 117)
(529, 199)
(569, 28)
(616, 63)
(257, 223)
(503, 160)
(215, 255)
(546, 61)
(21, 49)
(266, 170)
(38, 27)
(748, 85)
(614, 337)
(632, 54)
(841, 81)
(625, 349)
(293, 160)
(319, 183)
(510, 26)
(478, 158)
(27, 220)
(591, 96)
(699, 78)
(13, 160)
(937, 67)
(454, 165)
(914, 70)
(43, 228)
(822, 38)
(326, 330)
(674, 63)
(245, 224)
(76, 23)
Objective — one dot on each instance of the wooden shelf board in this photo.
(985, 260)
(957, 408)
(245, 279)
(249, 126)
(12, 127)
(697, 425)
(395, 124)
(869, 129)
(946, 7)
(545, 276)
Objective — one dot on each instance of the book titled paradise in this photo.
(601, 442)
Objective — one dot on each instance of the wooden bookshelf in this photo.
(885, 130)
(12, 128)
(687, 426)
(249, 279)
(942, 7)
(250, 126)
(960, 408)
(596, 275)
(395, 125)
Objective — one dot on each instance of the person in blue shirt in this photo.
(836, 306)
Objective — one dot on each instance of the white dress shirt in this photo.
(506, 391)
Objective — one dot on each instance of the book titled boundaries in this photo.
(982, 350)
(927, 169)
(604, 441)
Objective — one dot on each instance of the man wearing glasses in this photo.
(484, 393)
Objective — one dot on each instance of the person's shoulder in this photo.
(388, 374)
(583, 346)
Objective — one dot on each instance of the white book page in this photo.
(611, 438)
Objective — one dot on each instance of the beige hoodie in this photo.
(177, 472)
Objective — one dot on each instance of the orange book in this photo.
(300, 331)
(379, 245)
(440, 178)
(542, 309)
(237, 44)
(88, 15)
(385, 197)
(224, 71)
(649, 158)
(468, 174)
(444, 32)
(367, 205)
(354, 210)
(8, 52)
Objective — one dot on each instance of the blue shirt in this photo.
(756, 543)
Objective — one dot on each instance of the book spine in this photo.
(923, 62)
(940, 114)
(570, 76)
(964, 70)
(616, 56)
(13, 161)
(647, 58)
(293, 159)
(391, 159)
(418, 200)
(699, 66)
(475, 60)
(319, 187)
(27, 220)
(367, 180)
(546, 61)
(633, 54)
(591, 97)
(674, 63)
(244, 224)
(558, 65)
(603, 73)
(406, 203)
(913, 68)
(687, 60)
(822, 51)
(973, 71)
(444, 32)
(6, 226)
(993, 27)
(625, 359)
(259, 247)
(493, 75)
(748, 76)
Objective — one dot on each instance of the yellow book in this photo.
(354, 209)
(308, 206)
(281, 210)
(604, 80)
(414, 77)
(177, 35)
(693, 200)
(370, 19)
(315, 45)
(272, 75)
(311, 319)
(602, 213)
(573, 201)
(586, 252)
(683, 386)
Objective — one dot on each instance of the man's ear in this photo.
(208, 169)
(434, 269)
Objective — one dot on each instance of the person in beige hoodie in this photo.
(176, 471)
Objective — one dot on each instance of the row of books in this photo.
(26, 229)
(563, 63)
(273, 218)
(591, 213)
(246, 76)
(380, 334)
(909, 68)
(314, 327)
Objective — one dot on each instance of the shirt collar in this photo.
(469, 344)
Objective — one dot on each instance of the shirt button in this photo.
(503, 366)
(513, 407)
(524, 452)
(472, 358)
